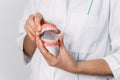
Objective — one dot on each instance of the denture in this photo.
(50, 35)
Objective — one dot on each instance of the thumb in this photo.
(61, 41)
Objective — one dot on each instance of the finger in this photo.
(25, 28)
(37, 20)
(41, 46)
(48, 56)
(61, 41)
(28, 32)
(32, 24)
(31, 36)
(31, 29)
(31, 20)
(38, 26)
(38, 41)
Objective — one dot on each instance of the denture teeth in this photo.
(48, 28)
(50, 41)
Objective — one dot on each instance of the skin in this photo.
(32, 28)
(64, 60)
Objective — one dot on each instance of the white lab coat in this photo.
(91, 31)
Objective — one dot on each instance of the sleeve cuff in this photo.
(114, 64)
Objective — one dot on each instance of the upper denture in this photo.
(50, 28)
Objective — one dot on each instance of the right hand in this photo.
(33, 25)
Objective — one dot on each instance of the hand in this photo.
(33, 25)
(64, 60)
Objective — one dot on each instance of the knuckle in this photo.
(38, 15)
(29, 21)
(31, 17)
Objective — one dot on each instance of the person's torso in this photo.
(84, 24)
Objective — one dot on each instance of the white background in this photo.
(11, 62)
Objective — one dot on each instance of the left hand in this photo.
(64, 60)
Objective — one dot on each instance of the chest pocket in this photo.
(84, 29)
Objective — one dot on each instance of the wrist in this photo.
(78, 68)
(30, 40)
(75, 68)
(29, 46)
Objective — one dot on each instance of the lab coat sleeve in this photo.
(113, 59)
(30, 9)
